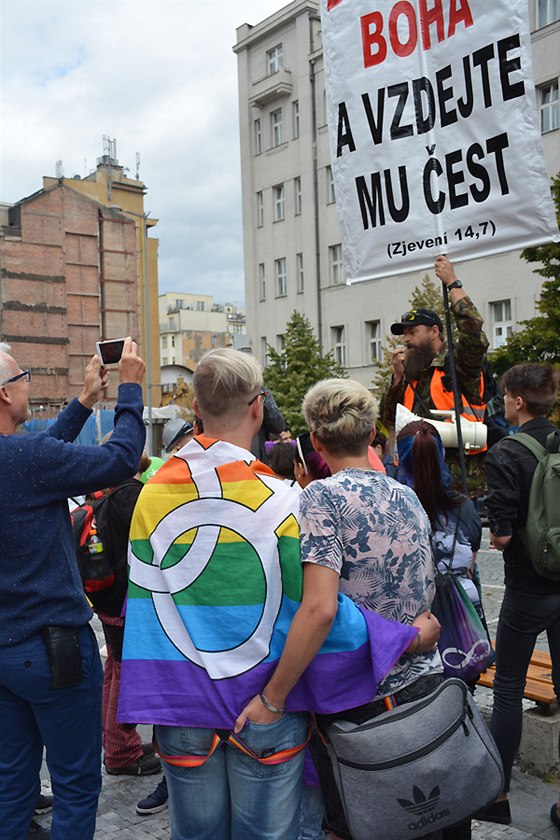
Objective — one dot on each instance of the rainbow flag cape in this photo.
(215, 581)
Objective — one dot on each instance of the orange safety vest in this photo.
(443, 401)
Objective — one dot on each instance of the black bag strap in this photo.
(418, 397)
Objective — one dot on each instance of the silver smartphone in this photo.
(110, 352)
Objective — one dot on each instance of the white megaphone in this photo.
(474, 434)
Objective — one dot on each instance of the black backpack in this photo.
(102, 577)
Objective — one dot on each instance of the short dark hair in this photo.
(281, 458)
(536, 383)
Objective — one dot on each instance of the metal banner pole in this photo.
(456, 393)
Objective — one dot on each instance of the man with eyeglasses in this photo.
(50, 670)
(421, 380)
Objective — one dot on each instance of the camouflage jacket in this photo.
(469, 353)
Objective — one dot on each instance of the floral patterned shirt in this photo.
(375, 533)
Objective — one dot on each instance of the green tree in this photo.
(291, 373)
(428, 296)
(539, 338)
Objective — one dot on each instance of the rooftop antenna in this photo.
(85, 168)
(109, 157)
(137, 166)
(59, 170)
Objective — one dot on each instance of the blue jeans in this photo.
(312, 811)
(522, 617)
(232, 796)
(65, 720)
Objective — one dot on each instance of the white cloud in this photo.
(159, 77)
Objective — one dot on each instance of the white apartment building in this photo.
(192, 324)
(292, 252)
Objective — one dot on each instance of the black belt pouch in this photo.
(65, 658)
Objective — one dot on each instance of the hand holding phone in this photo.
(131, 367)
(96, 381)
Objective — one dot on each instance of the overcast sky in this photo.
(161, 78)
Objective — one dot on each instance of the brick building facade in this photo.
(68, 276)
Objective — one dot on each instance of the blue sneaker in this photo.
(155, 802)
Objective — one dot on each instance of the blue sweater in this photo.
(39, 580)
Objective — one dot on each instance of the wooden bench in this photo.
(539, 681)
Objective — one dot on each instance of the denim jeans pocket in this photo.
(267, 739)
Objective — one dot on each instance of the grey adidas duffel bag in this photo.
(418, 768)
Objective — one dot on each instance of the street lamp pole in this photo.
(150, 435)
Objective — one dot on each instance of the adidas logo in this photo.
(424, 807)
(421, 803)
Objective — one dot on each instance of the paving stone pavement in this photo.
(530, 796)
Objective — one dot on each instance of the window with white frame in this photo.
(278, 199)
(502, 324)
(164, 360)
(257, 126)
(548, 11)
(373, 337)
(164, 342)
(281, 277)
(549, 106)
(339, 345)
(299, 273)
(262, 282)
(336, 265)
(330, 186)
(260, 209)
(297, 196)
(275, 59)
(276, 127)
(295, 119)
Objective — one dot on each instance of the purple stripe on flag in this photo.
(175, 693)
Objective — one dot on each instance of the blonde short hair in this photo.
(224, 381)
(341, 413)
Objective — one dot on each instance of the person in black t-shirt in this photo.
(124, 752)
(531, 602)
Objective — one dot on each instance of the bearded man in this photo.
(421, 378)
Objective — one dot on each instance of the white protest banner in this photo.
(434, 133)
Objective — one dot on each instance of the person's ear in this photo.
(196, 407)
(257, 409)
(519, 403)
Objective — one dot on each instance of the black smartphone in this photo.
(110, 352)
(65, 657)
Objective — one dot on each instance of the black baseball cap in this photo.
(417, 316)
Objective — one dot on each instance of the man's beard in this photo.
(417, 360)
